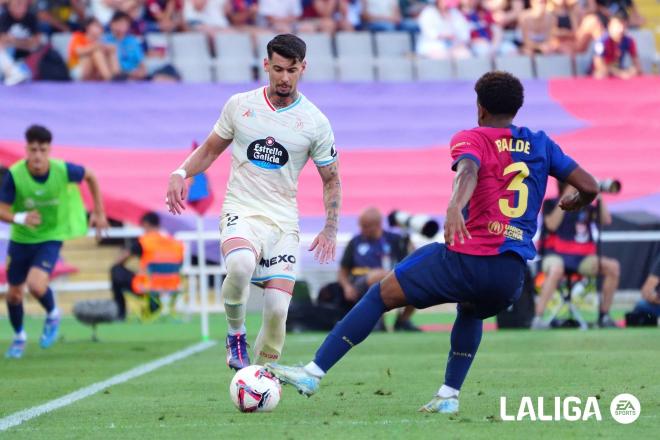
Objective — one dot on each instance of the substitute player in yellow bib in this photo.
(273, 131)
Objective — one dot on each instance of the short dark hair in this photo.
(500, 93)
(287, 45)
(151, 218)
(120, 15)
(38, 133)
(90, 21)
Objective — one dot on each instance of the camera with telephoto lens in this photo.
(420, 223)
(612, 186)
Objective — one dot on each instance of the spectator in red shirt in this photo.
(318, 16)
(612, 52)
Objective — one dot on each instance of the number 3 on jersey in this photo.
(518, 185)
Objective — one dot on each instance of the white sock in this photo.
(237, 331)
(314, 370)
(55, 313)
(270, 340)
(446, 392)
(21, 335)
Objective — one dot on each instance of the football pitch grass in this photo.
(373, 393)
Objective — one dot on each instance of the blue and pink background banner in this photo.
(392, 138)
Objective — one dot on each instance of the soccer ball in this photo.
(253, 389)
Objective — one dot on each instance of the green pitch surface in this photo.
(373, 393)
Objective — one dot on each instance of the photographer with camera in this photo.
(569, 247)
(368, 258)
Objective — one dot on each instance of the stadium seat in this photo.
(548, 66)
(60, 42)
(321, 69)
(472, 68)
(648, 55)
(358, 69)
(159, 52)
(262, 41)
(519, 65)
(434, 70)
(235, 46)
(191, 56)
(392, 44)
(583, 62)
(192, 71)
(319, 46)
(394, 69)
(354, 44)
(190, 46)
(234, 70)
(159, 42)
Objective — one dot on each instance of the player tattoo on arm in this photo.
(324, 244)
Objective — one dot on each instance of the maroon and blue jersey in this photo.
(514, 165)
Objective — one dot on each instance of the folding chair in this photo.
(158, 290)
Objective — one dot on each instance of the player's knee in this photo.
(556, 271)
(15, 295)
(614, 268)
(37, 287)
(240, 266)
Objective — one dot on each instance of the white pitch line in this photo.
(30, 413)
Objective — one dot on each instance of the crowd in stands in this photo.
(109, 44)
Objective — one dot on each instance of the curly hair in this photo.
(500, 93)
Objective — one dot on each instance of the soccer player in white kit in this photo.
(273, 130)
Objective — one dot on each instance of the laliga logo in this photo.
(570, 409)
(495, 227)
(625, 409)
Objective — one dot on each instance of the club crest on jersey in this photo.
(267, 153)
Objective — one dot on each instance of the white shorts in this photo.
(277, 252)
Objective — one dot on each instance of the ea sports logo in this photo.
(625, 408)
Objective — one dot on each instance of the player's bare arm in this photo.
(97, 219)
(325, 243)
(197, 162)
(587, 190)
(30, 218)
(465, 182)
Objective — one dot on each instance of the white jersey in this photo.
(270, 147)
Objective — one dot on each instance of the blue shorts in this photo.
(481, 285)
(21, 257)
